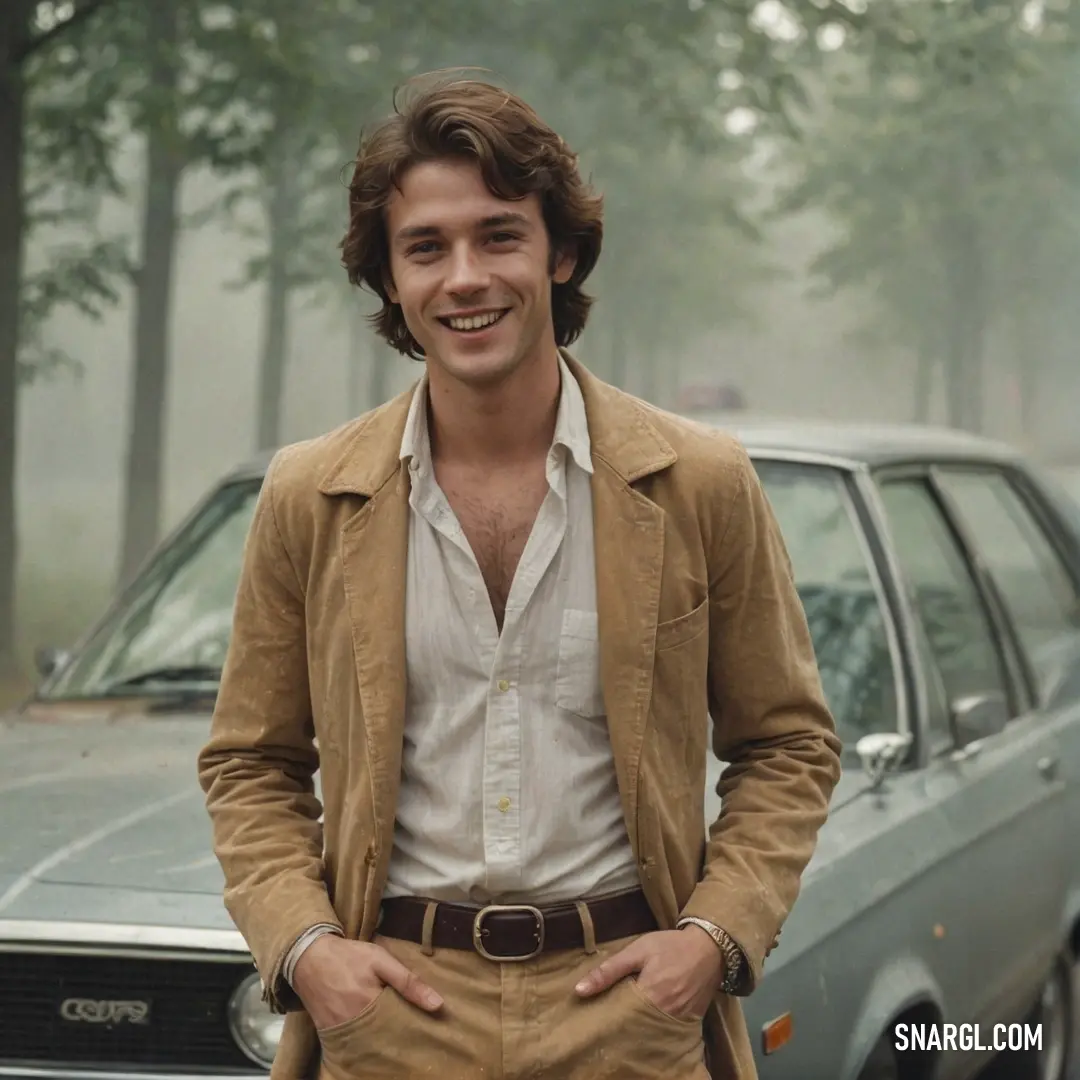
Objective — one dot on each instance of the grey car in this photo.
(941, 578)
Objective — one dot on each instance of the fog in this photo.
(791, 352)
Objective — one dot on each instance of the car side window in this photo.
(1037, 591)
(837, 584)
(955, 623)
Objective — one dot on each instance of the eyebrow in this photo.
(420, 232)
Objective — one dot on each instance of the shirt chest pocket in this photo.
(577, 677)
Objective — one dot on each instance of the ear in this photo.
(564, 262)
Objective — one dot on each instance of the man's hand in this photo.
(338, 979)
(679, 971)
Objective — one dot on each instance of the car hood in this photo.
(107, 814)
(111, 825)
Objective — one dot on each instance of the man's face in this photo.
(471, 272)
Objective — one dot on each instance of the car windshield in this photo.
(837, 583)
(170, 630)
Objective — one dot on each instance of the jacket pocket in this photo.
(643, 997)
(345, 1026)
(678, 631)
(677, 735)
(348, 1046)
(577, 676)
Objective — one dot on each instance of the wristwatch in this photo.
(735, 964)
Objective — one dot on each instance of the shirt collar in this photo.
(571, 424)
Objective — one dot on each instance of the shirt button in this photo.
(504, 685)
(503, 804)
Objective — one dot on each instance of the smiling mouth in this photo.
(469, 324)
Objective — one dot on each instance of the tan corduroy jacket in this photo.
(698, 615)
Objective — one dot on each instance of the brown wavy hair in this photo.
(518, 154)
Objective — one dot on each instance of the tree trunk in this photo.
(1026, 370)
(617, 365)
(593, 346)
(964, 378)
(153, 295)
(966, 330)
(275, 332)
(382, 356)
(653, 387)
(358, 346)
(14, 29)
(925, 362)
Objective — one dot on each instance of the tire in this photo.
(1054, 1011)
(882, 1063)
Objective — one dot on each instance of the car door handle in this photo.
(966, 753)
(1048, 767)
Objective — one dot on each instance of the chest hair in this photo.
(497, 521)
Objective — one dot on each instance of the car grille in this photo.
(187, 1023)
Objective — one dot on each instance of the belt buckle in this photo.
(491, 909)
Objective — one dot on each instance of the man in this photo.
(496, 614)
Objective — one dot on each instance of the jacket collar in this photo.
(621, 433)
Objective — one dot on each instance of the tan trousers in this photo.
(512, 1021)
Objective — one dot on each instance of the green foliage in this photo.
(948, 165)
(86, 277)
(88, 91)
(273, 94)
(70, 142)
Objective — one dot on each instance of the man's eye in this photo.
(503, 238)
(424, 248)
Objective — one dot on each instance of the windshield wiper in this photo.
(190, 673)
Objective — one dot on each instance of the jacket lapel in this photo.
(629, 546)
(374, 548)
(373, 554)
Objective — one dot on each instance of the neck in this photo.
(503, 423)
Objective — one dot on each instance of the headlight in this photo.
(255, 1028)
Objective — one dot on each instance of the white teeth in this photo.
(474, 322)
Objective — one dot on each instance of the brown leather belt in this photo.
(508, 932)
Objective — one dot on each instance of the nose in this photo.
(466, 271)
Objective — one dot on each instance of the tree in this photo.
(311, 77)
(190, 93)
(26, 43)
(155, 69)
(172, 70)
(926, 159)
(308, 79)
(682, 254)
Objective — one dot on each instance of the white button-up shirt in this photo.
(508, 789)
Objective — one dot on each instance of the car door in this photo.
(1001, 794)
(862, 938)
(1032, 556)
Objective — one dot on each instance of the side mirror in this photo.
(48, 660)
(882, 751)
(976, 717)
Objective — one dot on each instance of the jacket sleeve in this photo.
(771, 723)
(258, 767)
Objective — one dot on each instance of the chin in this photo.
(481, 369)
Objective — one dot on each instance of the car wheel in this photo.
(882, 1063)
(1053, 1011)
